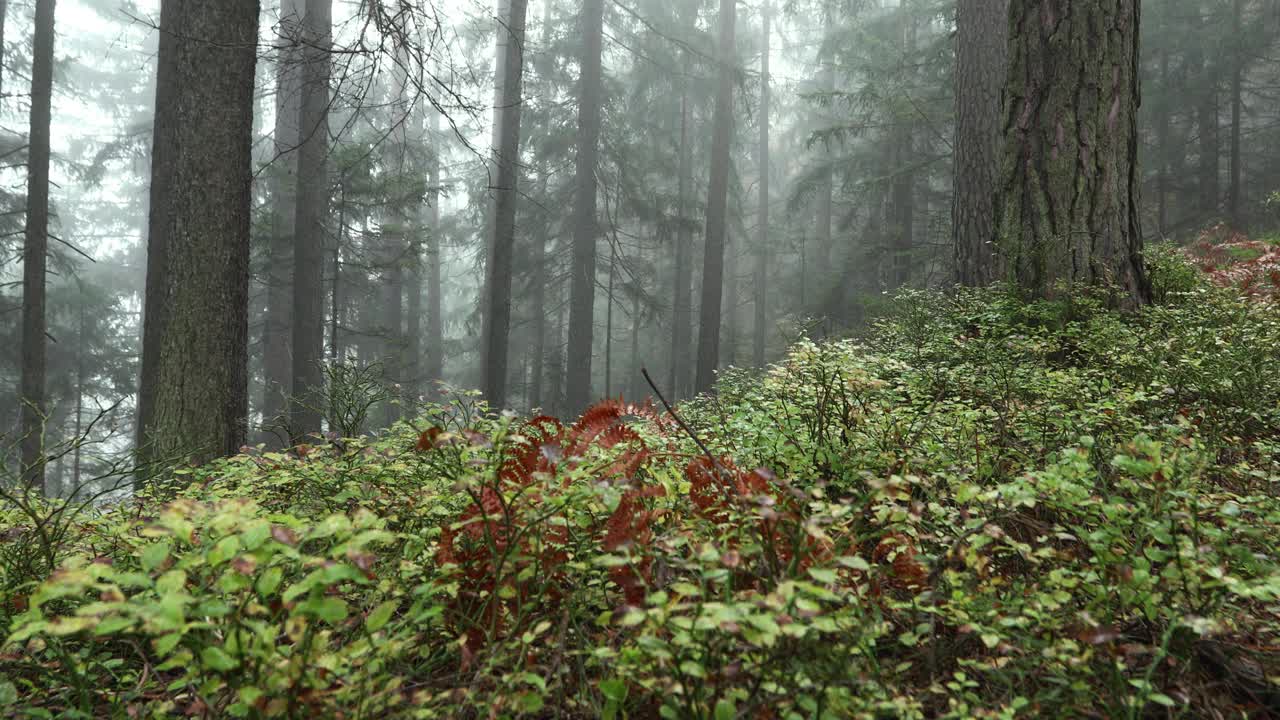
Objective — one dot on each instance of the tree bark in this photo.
(1067, 207)
(542, 233)
(309, 233)
(498, 270)
(761, 274)
(35, 251)
(981, 51)
(277, 331)
(585, 223)
(717, 207)
(193, 398)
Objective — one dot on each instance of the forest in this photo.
(630, 359)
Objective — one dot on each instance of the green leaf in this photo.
(329, 609)
(154, 555)
(269, 581)
(725, 710)
(215, 658)
(381, 615)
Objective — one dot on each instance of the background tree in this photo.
(193, 399)
(981, 48)
(312, 218)
(1067, 208)
(35, 250)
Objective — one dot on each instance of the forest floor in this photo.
(983, 508)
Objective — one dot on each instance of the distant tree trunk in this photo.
(4, 14)
(556, 364)
(902, 207)
(732, 302)
(981, 49)
(277, 328)
(682, 303)
(1067, 208)
(1236, 188)
(498, 270)
(309, 232)
(541, 234)
(826, 183)
(1210, 153)
(193, 399)
(585, 223)
(35, 251)
(608, 325)
(1163, 151)
(717, 207)
(633, 369)
(761, 274)
(435, 321)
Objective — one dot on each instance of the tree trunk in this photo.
(542, 232)
(1210, 151)
(585, 224)
(717, 207)
(4, 14)
(498, 270)
(1067, 208)
(981, 50)
(761, 274)
(1236, 189)
(35, 251)
(826, 185)
(277, 328)
(312, 212)
(682, 303)
(435, 321)
(193, 398)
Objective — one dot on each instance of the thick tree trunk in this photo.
(585, 223)
(761, 274)
(498, 270)
(277, 328)
(717, 206)
(1067, 207)
(35, 251)
(193, 399)
(309, 232)
(682, 302)
(981, 50)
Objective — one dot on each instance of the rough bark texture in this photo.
(497, 321)
(761, 273)
(277, 355)
(682, 302)
(1067, 208)
(35, 250)
(193, 399)
(717, 207)
(309, 232)
(981, 50)
(585, 228)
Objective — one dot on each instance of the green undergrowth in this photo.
(983, 509)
